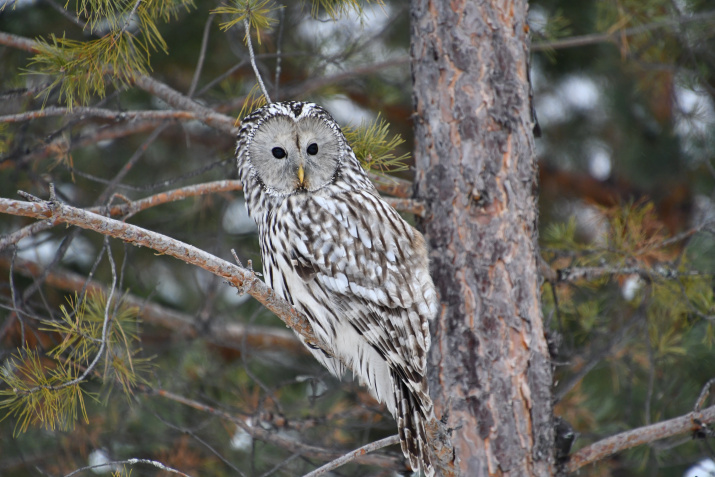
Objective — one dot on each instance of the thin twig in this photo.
(617, 35)
(279, 41)
(202, 56)
(81, 112)
(279, 465)
(237, 277)
(221, 77)
(19, 42)
(247, 25)
(198, 439)
(350, 456)
(112, 185)
(13, 295)
(61, 10)
(154, 463)
(572, 274)
(157, 315)
(129, 209)
(105, 331)
(129, 18)
(704, 393)
(257, 432)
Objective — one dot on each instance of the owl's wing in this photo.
(374, 266)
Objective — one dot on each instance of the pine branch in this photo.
(174, 98)
(133, 461)
(572, 274)
(61, 145)
(247, 26)
(18, 42)
(351, 456)
(238, 277)
(617, 36)
(206, 115)
(241, 278)
(280, 440)
(81, 112)
(410, 206)
(157, 315)
(391, 186)
(202, 57)
(693, 422)
(131, 208)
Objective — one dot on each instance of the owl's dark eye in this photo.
(312, 149)
(279, 152)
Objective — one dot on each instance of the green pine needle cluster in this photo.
(337, 8)
(254, 100)
(46, 389)
(37, 392)
(678, 298)
(82, 69)
(257, 12)
(373, 146)
(557, 26)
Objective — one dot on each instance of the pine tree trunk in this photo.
(490, 369)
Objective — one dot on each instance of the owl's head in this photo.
(291, 147)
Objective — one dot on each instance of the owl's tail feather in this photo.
(411, 417)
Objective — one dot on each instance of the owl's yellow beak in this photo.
(301, 175)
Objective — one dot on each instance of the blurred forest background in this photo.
(208, 381)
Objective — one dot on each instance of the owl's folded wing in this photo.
(374, 265)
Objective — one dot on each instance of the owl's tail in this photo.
(413, 409)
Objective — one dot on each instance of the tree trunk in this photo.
(490, 371)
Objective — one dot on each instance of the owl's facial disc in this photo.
(295, 156)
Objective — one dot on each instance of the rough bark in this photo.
(476, 174)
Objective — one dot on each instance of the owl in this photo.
(343, 257)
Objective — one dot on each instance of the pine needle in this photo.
(373, 149)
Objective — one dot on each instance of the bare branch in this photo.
(279, 440)
(157, 315)
(128, 209)
(80, 112)
(617, 36)
(247, 25)
(174, 98)
(573, 274)
(18, 42)
(410, 206)
(131, 208)
(206, 115)
(317, 83)
(60, 145)
(691, 422)
(350, 456)
(236, 276)
(202, 56)
(704, 393)
(392, 185)
(132, 461)
(61, 10)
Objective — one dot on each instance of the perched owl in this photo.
(343, 257)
